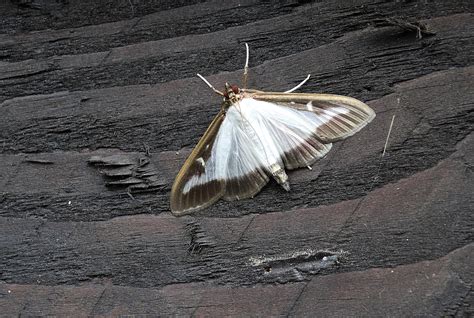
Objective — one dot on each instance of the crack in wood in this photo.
(200, 240)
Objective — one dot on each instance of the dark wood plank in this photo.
(177, 58)
(398, 291)
(359, 234)
(331, 19)
(23, 15)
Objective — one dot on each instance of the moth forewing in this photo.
(304, 98)
(187, 198)
(344, 115)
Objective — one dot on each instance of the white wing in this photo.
(285, 135)
(236, 156)
(224, 164)
(254, 136)
(337, 117)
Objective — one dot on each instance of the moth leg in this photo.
(246, 67)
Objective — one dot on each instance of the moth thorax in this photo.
(280, 176)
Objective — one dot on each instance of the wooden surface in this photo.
(100, 106)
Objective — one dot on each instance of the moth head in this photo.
(231, 92)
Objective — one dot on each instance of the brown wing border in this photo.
(177, 201)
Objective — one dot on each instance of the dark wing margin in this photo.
(204, 191)
(245, 186)
(340, 116)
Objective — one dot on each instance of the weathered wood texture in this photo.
(357, 235)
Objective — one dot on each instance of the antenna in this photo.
(210, 85)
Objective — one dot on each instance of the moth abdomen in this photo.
(279, 174)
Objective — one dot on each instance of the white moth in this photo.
(256, 136)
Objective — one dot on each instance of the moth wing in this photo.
(197, 185)
(337, 117)
(285, 134)
(223, 164)
(243, 170)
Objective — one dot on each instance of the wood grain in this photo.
(360, 234)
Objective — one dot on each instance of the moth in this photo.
(257, 136)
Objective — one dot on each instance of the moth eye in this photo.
(226, 95)
(235, 89)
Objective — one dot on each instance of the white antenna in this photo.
(246, 67)
(209, 84)
(299, 85)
